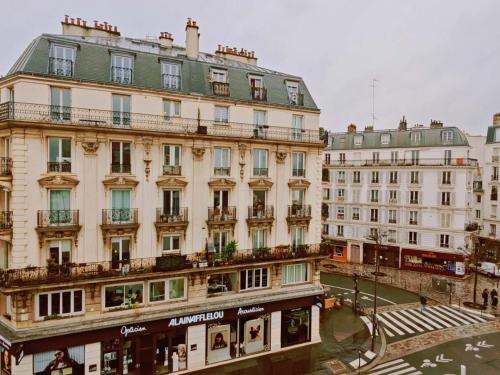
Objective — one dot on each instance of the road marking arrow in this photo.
(440, 358)
(483, 344)
(478, 356)
(469, 347)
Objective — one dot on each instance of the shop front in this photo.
(433, 262)
(339, 251)
(175, 344)
(388, 255)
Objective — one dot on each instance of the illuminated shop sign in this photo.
(196, 318)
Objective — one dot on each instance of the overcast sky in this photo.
(434, 59)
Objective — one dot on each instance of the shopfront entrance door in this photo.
(146, 355)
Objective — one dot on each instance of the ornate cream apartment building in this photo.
(160, 207)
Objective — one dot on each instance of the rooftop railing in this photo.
(149, 122)
(71, 272)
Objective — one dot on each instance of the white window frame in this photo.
(358, 140)
(171, 108)
(218, 75)
(67, 53)
(171, 236)
(385, 138)
(167, 290)
(49, 303)
(103, 295)
(298, 164)
(252, 272)
(122, 62)
(172, 162)
(297, 273)
(173, 81)
(221, 114)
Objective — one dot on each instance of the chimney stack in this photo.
(79, 27)
(403, 125)
(496, 120)
(436, 124)
(192, 40)
(247, 57)
(351, 129)
(166, 40)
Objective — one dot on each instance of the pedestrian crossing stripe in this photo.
(396, 367)
(411, 321)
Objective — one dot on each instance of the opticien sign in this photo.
(196, 318)
(125, 331)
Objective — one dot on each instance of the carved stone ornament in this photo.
(280, 156)
(299, 183)
(198, 152)
(171, 182)
(222, 183)
(90, 147)
(58, 181)
(242, 148)
(121, 181)
(260, 183)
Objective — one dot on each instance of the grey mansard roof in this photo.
(93, 64)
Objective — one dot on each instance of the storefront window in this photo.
(222, 283)
(163, 290)
(172, 360)
(119, 357)
(70, 361)
(254, 335)
(123, 295)
(295, 273)
(221, 344)
(295, 326)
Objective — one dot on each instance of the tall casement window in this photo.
(171, 202)
(259, 123)
(220, 241)
(297, 127)
(298, 164)
(120, 206)
(222, 160)
(171, 108)
(297, 236)
(121, 110)
(172, 160)
(120, 157)
(60, 251)
(121, 69)
(293, 93)
(61, 60)
(259, 238)
(415, 157)
(60, 104)
(221, 114)
(447, 157)
(412, 238)
(120, 251)
(259, 162)
(60, 207)
(59, 155)
(254, 278)
(63, 303)
(171, 76)
(356, 177)
(295, 273)
(171, 243)
(257, 88)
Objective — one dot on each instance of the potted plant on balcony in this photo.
(261, 252)
(52, 267)
(229, 250)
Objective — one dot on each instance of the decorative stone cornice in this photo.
(61, 181)
(222, 183)
(260, 183)
(299, 183)
(171, 182)
(90, 148)
(280, 156)
(120, 182)
(198, 152)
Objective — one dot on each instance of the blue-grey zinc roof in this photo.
(93, 63)
(430, 137)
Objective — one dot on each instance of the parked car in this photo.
(489, 269)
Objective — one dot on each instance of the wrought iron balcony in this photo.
(119, 216)
(60, 67)
(224, 214)
(261, 172)
(220, 88)
(456, 162)
(172, 170)
(299, 211)
(59, 167)
(120, 168)
(94, 118)
(121, 75)
(261, 212)
(5, 166)
(5, 220)
(57, 218)
(259, 93)
(171, 81)
(172, 215)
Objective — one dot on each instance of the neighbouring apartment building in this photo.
(161, 206)
(411, 188)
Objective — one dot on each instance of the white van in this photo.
(489, 269)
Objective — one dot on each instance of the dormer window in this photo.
(219, 76)
(121, 69)
(385, 138)
(447, 137)
(257, 88)
(294, 96)
(415, 138)
(497, 134)
(358, 140)
(171, 76)
(220, 86)
(61, 60)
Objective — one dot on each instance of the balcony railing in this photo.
(472, 227)
(89, 117)
(299, 211)
(57, 218)
(262, 172)
(259, 93)
(71, 272)
(171, 81)
(5, 166)
(456, 162)
(220, 88)
(121, 75)
(60, 67)
(172, 215)
(261, 212)
(296, 99)
(5, 219)
(59, 167)
(222, 214)
(120, 216)
(172, 170)
(120, 168)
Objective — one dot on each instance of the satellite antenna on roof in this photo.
(373, 85)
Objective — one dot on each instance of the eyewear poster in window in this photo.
(64, 361)
(218, 343)
(254, 336)
(6, 363)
